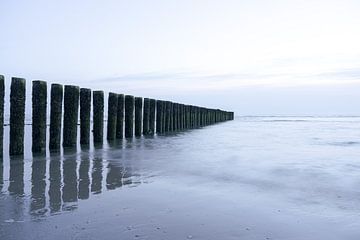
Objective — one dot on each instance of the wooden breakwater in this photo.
(127, 116)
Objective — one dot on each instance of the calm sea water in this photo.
(252, 178)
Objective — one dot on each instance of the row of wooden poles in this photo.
(128, 116)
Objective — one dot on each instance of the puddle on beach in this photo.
(252, 178)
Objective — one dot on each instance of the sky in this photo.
(254, 57)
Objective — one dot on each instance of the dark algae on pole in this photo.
(39, 102)
(17, 116)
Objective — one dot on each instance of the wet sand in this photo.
(253, 178)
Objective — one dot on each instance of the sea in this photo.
(257, 177)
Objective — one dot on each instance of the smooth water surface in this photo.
(252, 178)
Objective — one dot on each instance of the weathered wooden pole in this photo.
(39, 102)
(175, 117)
(146, 117)
(164, 116)
(71, 114)
(98, 116)
(112, 116)
(152, 116)
(120, 117)
(191, 116)
(186, 121)
(171, 117)
(138, 116)
(17, 116)
(55, 116)
(196, 116)
(85, 108)
(158, 116)
(183, 117)
(167, 116)
(129, 116)
(2, 94)
(179, 117)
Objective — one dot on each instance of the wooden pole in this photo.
(112, 116)
(120, 117)
(71, 114)
(98, 116)
(85, 108)
(138, 116)
(146, 117)
(17, 116)
(39, 103)
(2, 94)
(152, 116)
(159, 113)
(55, 116)
(129, 116)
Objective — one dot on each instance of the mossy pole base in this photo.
(129, 116)
(55, 116)
(146, 116)
(152, 116)
(2, 94)
(112, 116)
(138, 116)
(98, 116)
(85, 108)
(71, 114)
(120, 117)
(39, 103)
(17, 116)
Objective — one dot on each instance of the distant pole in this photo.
(168, 117)
(175, 117)
(55, 116)
(138, 116)
(2, 94)
(152, 116)
(98, 116)
(159, 116)
(181, 116)
(163, 116)
(129, 116)
(120, 117)
(39, 102)
(112, 116)
(17, 116)
(85, 108)
(71, 114)
(146, 117)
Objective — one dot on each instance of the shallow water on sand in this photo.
(252, 178)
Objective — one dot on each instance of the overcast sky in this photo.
(256, 57)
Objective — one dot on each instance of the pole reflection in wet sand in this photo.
(58, 182)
